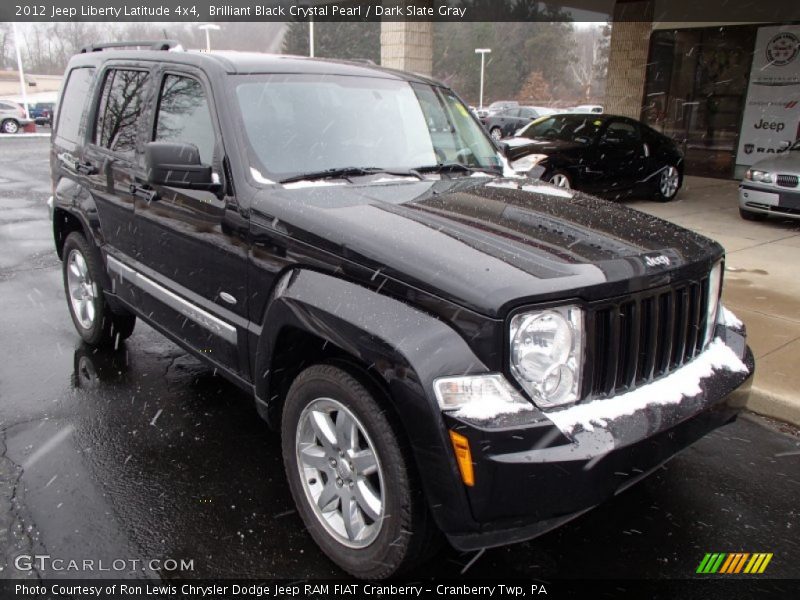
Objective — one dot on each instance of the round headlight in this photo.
(544, 357)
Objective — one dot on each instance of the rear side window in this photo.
(121, 110)
(183, 115)
(73, 104)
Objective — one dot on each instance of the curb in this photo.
(766, 403)
(22, 136)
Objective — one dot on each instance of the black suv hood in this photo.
(486, 244)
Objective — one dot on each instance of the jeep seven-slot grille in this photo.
(641, 338)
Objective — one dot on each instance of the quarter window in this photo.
(73, 101)
(184, 116)
(121, 109)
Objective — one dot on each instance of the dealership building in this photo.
(727, 91)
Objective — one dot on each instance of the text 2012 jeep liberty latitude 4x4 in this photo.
(444, 349)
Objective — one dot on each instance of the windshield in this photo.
(299, 124)
(568, 128)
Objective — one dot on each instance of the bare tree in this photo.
(589, 70)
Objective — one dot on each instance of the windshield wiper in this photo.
(453, 167)
(345, 172)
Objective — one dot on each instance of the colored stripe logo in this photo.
(733, 563)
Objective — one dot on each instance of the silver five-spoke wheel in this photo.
(560, 180)
(82, 290)
(668, 184)
(340, 472)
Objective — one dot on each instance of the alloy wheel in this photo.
(496, 134)
(560, 180)
(668, 185)
(10, 126)
(340, 472)
(82, 290)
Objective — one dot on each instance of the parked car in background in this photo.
(12, 117)
(42, 112)
(588, 108)
(508, 121)
(500, 105)
(772, 186)
(601, 154)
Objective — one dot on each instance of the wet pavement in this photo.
(143, 453)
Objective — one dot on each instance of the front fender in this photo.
(406, 348)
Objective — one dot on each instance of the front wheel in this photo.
(560, 179)
(10, 126)
(668, 184)
(496, 133)
(93, 318)
(349, 475)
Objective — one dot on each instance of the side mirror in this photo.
(178, 165)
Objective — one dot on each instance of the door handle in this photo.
(85, 168)
(144, 193)
(73, 164)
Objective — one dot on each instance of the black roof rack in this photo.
(148, 44)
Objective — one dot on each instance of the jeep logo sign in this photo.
(657, 261)
(770, 114)
(775, 126)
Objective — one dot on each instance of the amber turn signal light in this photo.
(463, 457)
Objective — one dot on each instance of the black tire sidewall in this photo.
(389, 551)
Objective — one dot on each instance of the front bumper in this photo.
(770, 200)
(532, 474)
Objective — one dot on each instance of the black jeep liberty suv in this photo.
(444, 347)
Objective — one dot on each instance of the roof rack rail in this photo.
(148, 44)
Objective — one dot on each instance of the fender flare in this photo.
(404, 347)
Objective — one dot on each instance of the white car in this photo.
(772, 186)
(587, 108)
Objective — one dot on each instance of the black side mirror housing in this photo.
(178, 165)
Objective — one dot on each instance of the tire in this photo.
(667, 184)
(9, 126)
(496, 133)
(91, 315)
(560, 179)
(392, 530)
(749, 215)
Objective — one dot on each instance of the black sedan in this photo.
(601, 154)
(510, 120)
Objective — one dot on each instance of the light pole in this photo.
(21, 73)
(483, 52)
(209, 27)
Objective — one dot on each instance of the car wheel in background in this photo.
(667, 184)
(496, 133)
(9, 126)
(560, 179)
(93, 318)
(350, 477)
(749, 215)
